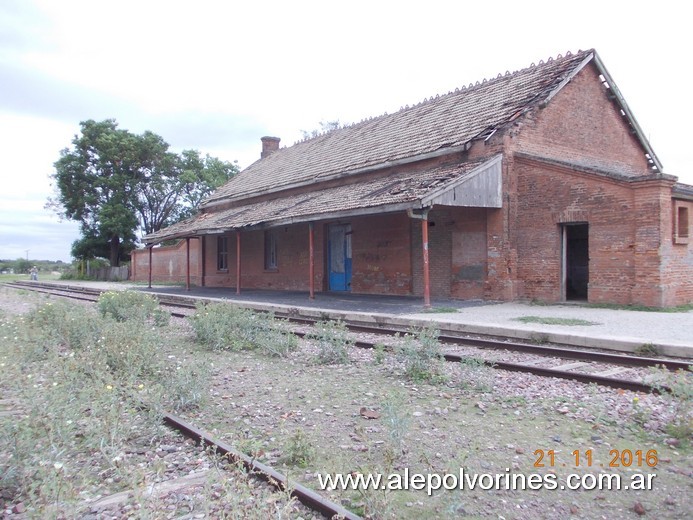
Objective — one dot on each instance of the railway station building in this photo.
(537, 184)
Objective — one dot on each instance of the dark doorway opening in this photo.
(576, 272)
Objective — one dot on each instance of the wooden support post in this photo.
(150, 267)
(238, 262)
(426, 271)
(311, 260)
(187, 263)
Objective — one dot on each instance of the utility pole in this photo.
(27, 254)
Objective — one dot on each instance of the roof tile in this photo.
(444, 121)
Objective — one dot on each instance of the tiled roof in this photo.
(381, 193)
(684, 190)
(442, 122)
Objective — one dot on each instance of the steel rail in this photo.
(557, 352)
(611, 382)
(542, 350)
(306, 496)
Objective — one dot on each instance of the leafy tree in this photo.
(22, 265)
(325, 128)
(176, 192)
(96, 184)
(115, 183)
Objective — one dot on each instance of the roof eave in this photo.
(373, 210)
(493, 197)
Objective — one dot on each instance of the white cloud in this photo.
(216, 76)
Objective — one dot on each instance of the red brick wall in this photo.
(583, 125)
(381, 254)
(212, 276)
(292, 272)
(457, 241)
(548, 197)
(508, 253)
(469, 253)
(677, 256)
(440, 223)
(168, 263)
(631, 257)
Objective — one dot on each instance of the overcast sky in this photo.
(216, 76)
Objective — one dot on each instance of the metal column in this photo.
(426, 271)
(150, 267)
(311, 260)
(238, 262)
(187, 263)
(203, 260)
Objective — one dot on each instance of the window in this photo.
(270, 251)
(682, 222)
(222, 254)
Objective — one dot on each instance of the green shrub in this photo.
(396, 423)
(131, 351)
(275, 339)
(299, 450)
(58, 324)
(333, 341)
(220, 326)
(476, 375)
(677, 388)
(132, 306)
(187, 386)
(83, 396)
(422, 356)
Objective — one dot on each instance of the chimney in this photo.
(269, 145)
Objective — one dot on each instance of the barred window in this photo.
(271, 262)
(222, 254)
(683, 222)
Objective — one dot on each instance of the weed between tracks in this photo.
(74, 382)
(219, 326)
(376, 412)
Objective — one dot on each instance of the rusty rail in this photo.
(559, 352)
(306, 496)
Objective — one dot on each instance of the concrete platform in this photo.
(625, 330)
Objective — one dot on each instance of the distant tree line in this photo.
(22, 265)
(116, 184)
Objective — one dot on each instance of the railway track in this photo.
(586, 366)
(306, 496)
(309, 498)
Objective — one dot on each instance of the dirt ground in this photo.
(366, 417)
(308, 419)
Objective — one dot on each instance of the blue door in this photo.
(339, 257)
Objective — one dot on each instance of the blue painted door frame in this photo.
(339, 257)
